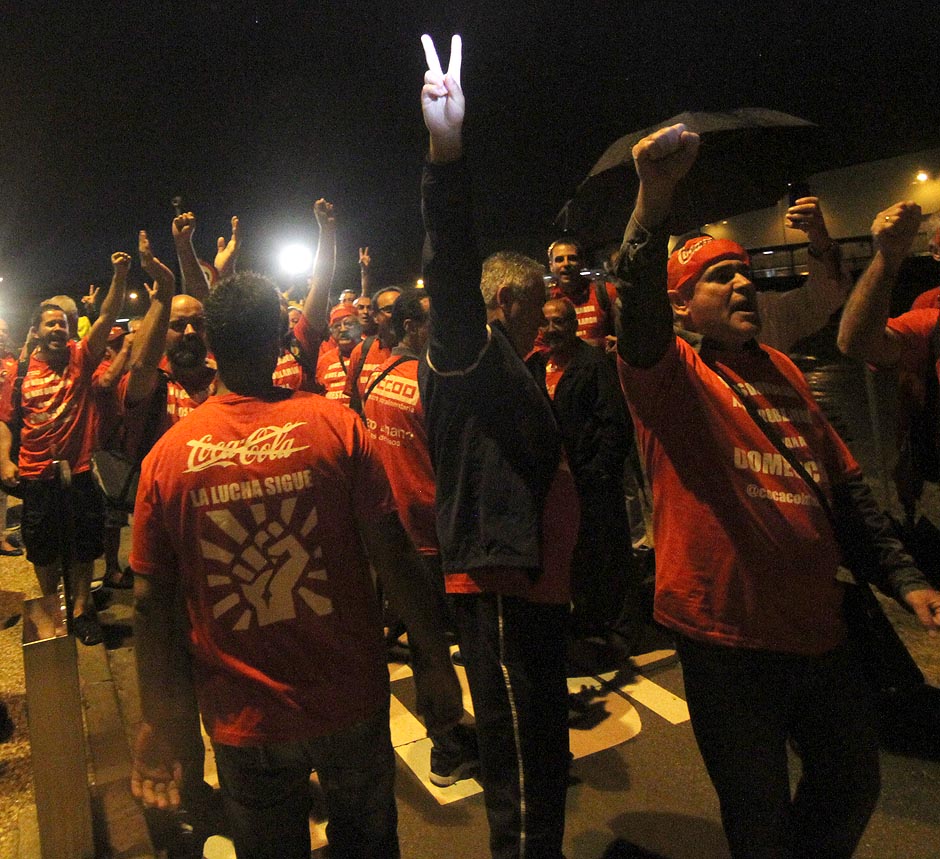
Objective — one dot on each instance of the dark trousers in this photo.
(744, 706)
(266, 794)
(604, 581)
(514, 652)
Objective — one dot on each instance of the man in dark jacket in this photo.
(497, 458)
(596, 434)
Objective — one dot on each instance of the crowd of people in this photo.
(456, 457)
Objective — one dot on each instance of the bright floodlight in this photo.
(296, 259)
(922, 176)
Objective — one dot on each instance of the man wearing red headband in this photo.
(333, 365)
(743, 466)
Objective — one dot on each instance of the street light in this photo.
(295, 260)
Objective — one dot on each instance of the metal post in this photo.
(56, 732)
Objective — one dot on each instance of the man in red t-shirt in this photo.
(109, 426)
(744, 469)
(332, 367)
(58, 423)
(395, 421)
(374, 349)
(245, 536)
(909, 343)
(594, 301)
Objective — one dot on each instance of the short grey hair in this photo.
(508, 268)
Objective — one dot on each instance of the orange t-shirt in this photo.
(331, 373)
(395, 422)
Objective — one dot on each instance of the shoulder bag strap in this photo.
(400, 360)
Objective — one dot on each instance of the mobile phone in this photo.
(797, 190)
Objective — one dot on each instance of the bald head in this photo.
(186, 337)
(560, 327)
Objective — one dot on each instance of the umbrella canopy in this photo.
(747, 158)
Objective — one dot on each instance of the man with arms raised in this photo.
(744, 467)
(58, 423)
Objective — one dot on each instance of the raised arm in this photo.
(862, 332)
(661, 160)
(787, 317)
(227, 252)
(451, 258)
(97, 338)
(110, 377)
(316, 304)
(194, 278)
(150, 339)
(90, 302)
(365, 273)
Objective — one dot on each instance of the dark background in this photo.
(109, 110)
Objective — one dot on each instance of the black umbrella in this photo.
(747, 158)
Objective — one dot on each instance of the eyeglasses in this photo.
(180, 325)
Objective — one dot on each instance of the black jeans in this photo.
(744, 706)
(514, 652)
(265, 791)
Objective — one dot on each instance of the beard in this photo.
(187, 353)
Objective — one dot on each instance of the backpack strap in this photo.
(355, 401)
(400, 360)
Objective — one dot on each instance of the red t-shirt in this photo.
(594, 322)
(58, 413)
(553, 374)
(253, 506)
(331, 373)
(928, 299)
(107, 408)
(915, 329)
(745, 556)
(395, 421)
(376, 358)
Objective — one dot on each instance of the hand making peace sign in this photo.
(442, 101)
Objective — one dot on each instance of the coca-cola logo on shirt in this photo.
(265, 443)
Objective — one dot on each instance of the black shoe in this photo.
(454, 756)
(87, 629)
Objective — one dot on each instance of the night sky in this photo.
(109, 110)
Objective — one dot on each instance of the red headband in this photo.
(340, 312)
(688, 263)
